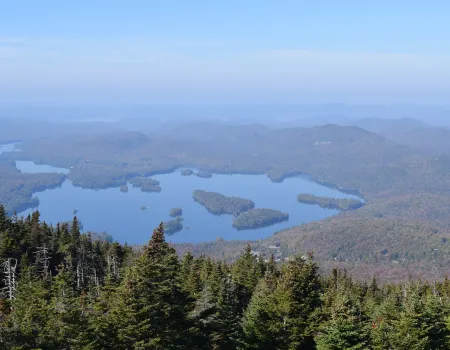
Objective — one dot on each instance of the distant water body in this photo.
(120, 215)
(9, 147)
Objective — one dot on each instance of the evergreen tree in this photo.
(152, 307)
(228, 334)
(347, 327)
(297, 297)
(25, 326)
(259, 318)
(66, 321)
(246, 273)
(5, 221)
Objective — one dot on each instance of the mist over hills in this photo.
(400, 166)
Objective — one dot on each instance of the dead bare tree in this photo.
(10, 278)
(43, 262)
(113, 267)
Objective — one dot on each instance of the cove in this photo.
(119, 214)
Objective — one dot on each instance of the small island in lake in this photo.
(173, 226)
(203, 174)
(124, 188)
(218, 204)
(146, 184)
(187, 172)
(342, 204)
(257, 218)
(174, 212)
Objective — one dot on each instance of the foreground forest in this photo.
(67, 290)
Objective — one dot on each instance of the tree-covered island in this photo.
(219, 204)
(203, 174)
(187, 172)
(342, 204)
(145, 184)
(174, 212)
(257, 218)
(173, 226)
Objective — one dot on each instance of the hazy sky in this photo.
(246, 51)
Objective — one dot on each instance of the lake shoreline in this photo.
(118, 213)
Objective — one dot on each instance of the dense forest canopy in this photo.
(343, 204)
(218, 204)
(67, 290)
(259, 217)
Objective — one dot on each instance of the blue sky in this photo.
(217, 52)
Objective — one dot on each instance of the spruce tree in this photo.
(297, 297)
(347, 327)
(228, 333)
(246, 273)
(259, 318)
(151, 305)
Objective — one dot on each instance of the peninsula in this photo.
(145, 184)
(342, 204)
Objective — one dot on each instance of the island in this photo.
(146, 184)
(342, 204)
(257, 218)
(187, 172)
(124, 188)
(203, 174)
(175, 212)
(17, 189)
(219, 204)
(173, 226)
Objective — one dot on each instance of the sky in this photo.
(225, 52)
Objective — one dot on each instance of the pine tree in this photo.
(66, 321)
(347, 327)
(5, 221)
(297, 297)
(434, 323)
(25, 326)
(259, 318)
(204, 316)
(409, 328)
(152, 309)
(228, 334)
(246, 274)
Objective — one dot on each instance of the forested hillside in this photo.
(406, 192)
(66, 290)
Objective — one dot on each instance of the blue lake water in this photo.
(9, 147)
(119, 214)
(30, 167)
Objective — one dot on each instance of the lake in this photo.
(9, 147)
(119, 214)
